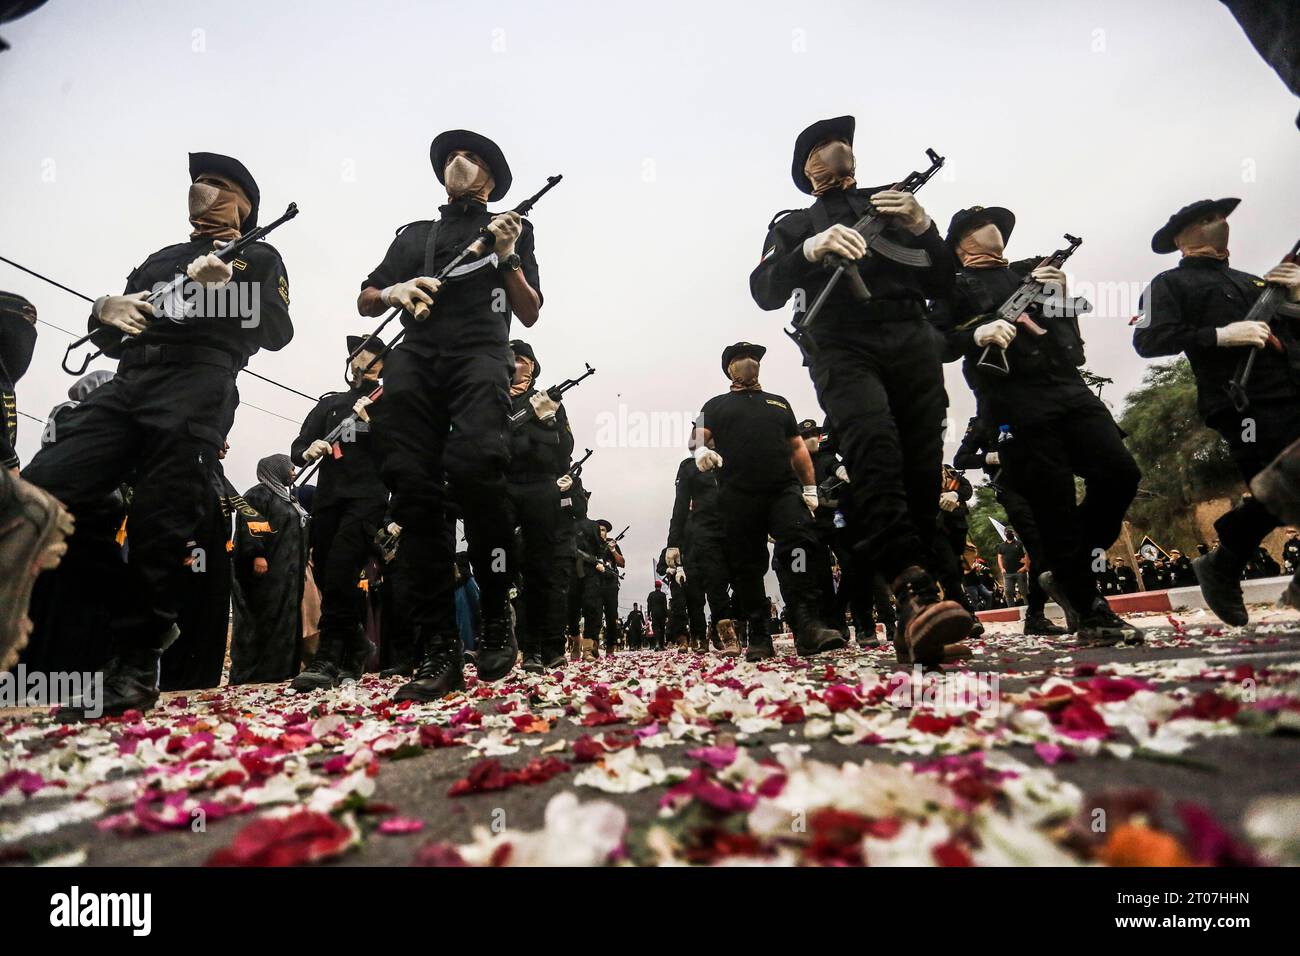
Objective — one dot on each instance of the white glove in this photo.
(842, 473)
(210, 270)
(1242, 333)
(673, 557)
(1050, 276)
(810, 497)
(130, 313)
(317, 448)
(840, 239)
(505, 228)
(544, 406)
(564, 482)
(999, 332)
(414, 295)
(904, 207)
(706, 459)
(359, 406)
(1287, 275)
(600, 567)
(949, 501)
(991, 458)
(680, 575)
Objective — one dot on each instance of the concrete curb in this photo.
(1257, 591)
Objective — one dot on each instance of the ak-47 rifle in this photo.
(1264, 310)
(994, 358)
(871, 227)
(519, 418)
(169, 300)
(575, 470)
(620, 535)
(480, 246)
(334, 436)
(386, 541)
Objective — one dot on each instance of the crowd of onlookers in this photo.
(1005, 584)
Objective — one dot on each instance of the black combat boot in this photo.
(1037, 624)
(1047, 581)
(354, 660)
(760, 641)
(553, 652)
(1102, 627)
(812, 637)
(926, 622)
(130, 683)
(497, 650)
(441, 671)
(1219, 574)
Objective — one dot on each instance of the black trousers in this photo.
(342, 541)
(1272, 427)
(1022, 519)
(749, 518)
(535, 510)
(883, 395)
(1041, 461)
(443, 417)
(158, 427)
(562, 609)
(705, 561)
(949, 545)
(658, 622)
(600, 604)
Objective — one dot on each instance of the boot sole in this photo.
(939, 625)
(1225, 613)
(423, 697)
(50, 547)
(834, 644)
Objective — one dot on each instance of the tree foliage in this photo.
(1182, 461)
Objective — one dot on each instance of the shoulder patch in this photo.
(773, 401)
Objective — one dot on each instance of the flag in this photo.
(999, 527)
(654, 572)
(1150, 550)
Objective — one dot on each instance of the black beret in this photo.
(740, 349)
(965, 220)
(229, 168)
(840, 127)
(1163, 241)
(445, 143)
(520, 347)
(372, 343)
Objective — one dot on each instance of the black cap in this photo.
(841, 127)
(965, 220)
(373, 344)
(602, 523)
(444, 143)
(230, 168)
(1163, 241)
(520, 347)
(809, 427)
(733, 352)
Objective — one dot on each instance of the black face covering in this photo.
(17, 337)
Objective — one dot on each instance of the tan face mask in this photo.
(217, 207)
(464, 178)
(744, 374)
(982, 248)
(523, 379)
(1208, 239)
(830, 166)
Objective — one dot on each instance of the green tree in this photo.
(984, 505)
(1183, 462)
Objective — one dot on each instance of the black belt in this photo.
(134, 355)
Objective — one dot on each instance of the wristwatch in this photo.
(511, 261)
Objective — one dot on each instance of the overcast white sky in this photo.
(673, 125)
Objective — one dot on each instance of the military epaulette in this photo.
(783, 212)
(401, 229)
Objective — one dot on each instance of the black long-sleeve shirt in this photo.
(355, 473)
(897, 291)
(1181, 310)
(248, 313)
(695, 505)
(538, 449)
(471, 309)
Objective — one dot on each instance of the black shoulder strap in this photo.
(783, 212)
(428, 248)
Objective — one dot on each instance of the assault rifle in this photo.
(480, 246)
(169, 299)
(334, 437)
(520, 418)
(871, 227)
(575, 470)
(1264, 310)
(994, 358)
